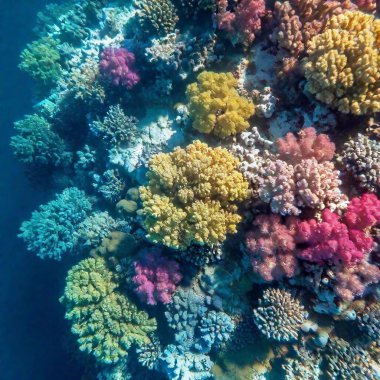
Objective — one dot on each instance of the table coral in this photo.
(49, 232)
(270, 244)
(279, 315)
(342, 68)
(244, 22)
(156, 277)
(191, 196)
(361, 157)
(117, 66)
(215, 105)
(105, 321)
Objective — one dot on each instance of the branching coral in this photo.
(361, 157)
(157, 15)
(191, 8)
(302, 176)
(271, 247)
(41, 59)
(117, 67)
(156, 277)
(215, 105)
(110, 185)
(279, 315)
(106, 322)
(191, 196)
(369, 321)
(244, 22)
(49, 232)
(342, 68)
(36, 143)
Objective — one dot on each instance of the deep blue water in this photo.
(32, 326)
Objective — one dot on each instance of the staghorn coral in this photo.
(49, 232)
(361, 157)
(191, 8)
(271, 247)
(117, 67)
(244, 22)
(369, 321)
(149, 354)
(215, 105)
(279, 315)
(41, 59)
(156, 277)
(201, 255)
(191, 196)
(105, 322)
(160, 16)
(110, 185)
(342, 68)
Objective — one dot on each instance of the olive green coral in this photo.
(105, 321)
(343, 64)
(191, 196)
(215, 105)
(41, 59)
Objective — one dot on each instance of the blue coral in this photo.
(49, 232)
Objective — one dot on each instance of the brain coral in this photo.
(343, 64)
(191, 196)
(106, 322)
(215, 105)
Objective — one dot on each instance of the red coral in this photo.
(271, 247)
(117, 66)
(308, 145)
(363, 212)
(156, 277)
(244, 22)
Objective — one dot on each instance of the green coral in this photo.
(157, 15)
(41, 59)
(191, 196)
(215, 105)
(106, 322)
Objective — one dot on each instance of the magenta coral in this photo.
(244, 22)
(271, 247)
(363, 212)
(156, 277)
(117, 66)
(308, 145)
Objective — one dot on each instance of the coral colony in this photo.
(216, 171)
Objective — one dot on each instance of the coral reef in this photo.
(106, 322)
(191, 195)
(279, 315)
(215, 105)
(333, 71)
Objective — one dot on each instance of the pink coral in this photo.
(308, 145)
(244, 22)
(156, 277)
(331, 241)
(366, 5)
(363, 212)
(352, 281)
(117, 66)
(271, 247)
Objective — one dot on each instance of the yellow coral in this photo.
(191, 195)
(343, 64)
(215, 105)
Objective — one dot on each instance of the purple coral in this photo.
(271, 247)
(244, 22)
(117, 66)
(156, 277)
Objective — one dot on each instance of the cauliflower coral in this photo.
(343, 64)
(191, 196)
(215, 105)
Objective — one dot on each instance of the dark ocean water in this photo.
(32, 325)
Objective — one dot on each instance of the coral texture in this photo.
(279, 315)
(191, 196)
(156, 277)
(271, 247)
(342, 67)
(106, 322)
(215, 105)
(117, 66)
